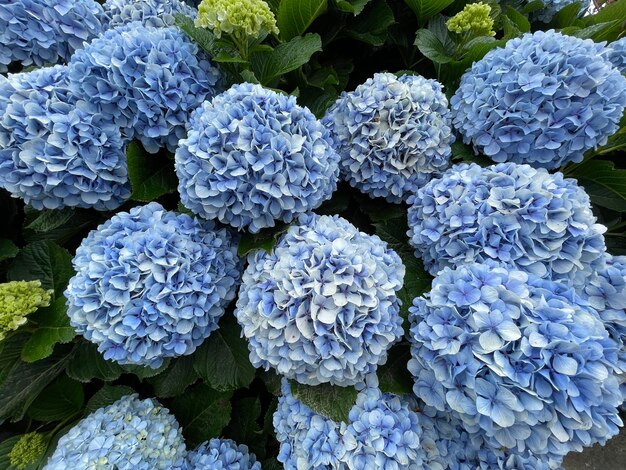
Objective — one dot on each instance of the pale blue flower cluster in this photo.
(382, 431)
(152, 284)
(156, 13)
(552, 7)
(522, 361)
(45, 32)
(527, 217)
(543, 99)
(220, 454)
(57, 150)
(130, 434)
(253, 156)
(616, 54)
(322, 307)
(145, 80)
(392, 134)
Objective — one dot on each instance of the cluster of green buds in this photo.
(473, 21)
(28, 450)
(236, 17)
(18, 299)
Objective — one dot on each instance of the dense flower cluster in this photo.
(322, 307)
(18, 299)
(152, 284)
(241, 18)
(516, 214)
(253, 156)
(519, 359)
(474, 20)
(616, 54)
(130, 434)
(220, 454)
(43, 32)
(28, 450)
(57, 150)
(543, 99)
(145, 80)
(156, 13)
(392, 134)
(552, 7)
(382, 432)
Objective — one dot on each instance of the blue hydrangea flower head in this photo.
(253, 156)
(145, 80)
(156, 13)
(543, 99)
(46, 32)
(392, 134)
(322, 306)
(221, 454)
(515, 214)
(152, 284)
(57, 150)
(521, 360)
(616, 54)
(552, 7)
(130, 434)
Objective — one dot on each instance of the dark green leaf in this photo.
(327, 400)
(264, 240)
(426, 9)
(352, 6)
(10, 352)
(8, 249)
(394, 376)
(566, 16)
(5, 448)
(175, 379)
(432, 47)
(150, 176)
(107, 395)
(605, 184)
(51, 219)
(518, 19)
(249, 76)
(145, 372)
(530, 7)
(463, 152)
(88, 364)
(53, 327)
(60, 400)
(597, 32)
(244, 428)
(372, 25)
(510, 28)
(203, 37)
(612, 12)
(295, 16)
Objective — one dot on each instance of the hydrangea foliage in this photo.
(616, 54)
(516, 214)
(156, 13)
(392, 134)
(130, 434)
(145, 80)
(221, 454)
(18, 299)
(240, 18)
(322, 307)
(520, 359)
(152, 284)
(253, 156)
(543, 99)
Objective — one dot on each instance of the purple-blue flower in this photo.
(615, 53)
(220, 454)
(156, 13)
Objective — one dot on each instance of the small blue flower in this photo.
(615, 53)
(155, 13)
(220, 454)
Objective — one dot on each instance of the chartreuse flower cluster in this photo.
(156, 13)
(239, 18)
(616, 54)
(537, 221)
(220, 454)
(28, 450)
(152, 284)
(543, 99)
(253, 156)
(18, 299)
(519, 359)
(322, 306)
(473, 21)
(392, 134)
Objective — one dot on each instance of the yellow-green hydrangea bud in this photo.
(28, 450)
(19, 299)
(236, 17)
(473, 19)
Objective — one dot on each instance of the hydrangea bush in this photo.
(155, 13)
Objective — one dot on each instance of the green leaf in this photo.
(608, 13)
(327, 400)
(222, 360)
(597, 32)
(149, 175)
(530, 7)
(10, 352)
(53, 327)
(393, 376)
(463, 152)
(371, 27)
(605, 184)
(295, 16)
(566, 16)
(145, 372)
(88, 364)
(518, 19)
(201, 36)
(510, 29)
(8, 249)
(352, 6)
(44, 261)
(60, 400)
(286, 57)
(5, 448)
(432, 47)
(175, 379)
(202, 412)
(426, 9)
(264, 240)
(244, 428)
(51, 219)
(107, 395)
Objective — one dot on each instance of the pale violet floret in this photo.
(156, 13)
(130, 434)
(220, 454)
(322, 306)
(537, 221)
(615, 53)
(392, 134)
(152, 284)
(252, 157)
(543, 99)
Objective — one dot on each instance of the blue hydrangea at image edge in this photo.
(145, 80)
(253, 157)
(220, 454)
(616, 54)
(537, 221)
(322, 307)
(45, 32)
(543, 99)
(155, 13)
(57, 150)
(152, 284)
(393, 134)
(521, 360)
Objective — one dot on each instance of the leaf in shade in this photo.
(60, 400)
(244, 428)
(295, 16)
(605, 184)
(426, 9)
(393, 376)
(8, 249)
(151, 176)
(175, 379)
(88, 364)
(53, 327)
(327, 400)
(107, 395)
(50, 219)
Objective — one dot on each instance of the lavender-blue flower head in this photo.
(146, 80)
(615, 53)
(57, 150)
(130, 434)
(513, 213)
(152, 284)
(156, 13)
(392, 134)
(322, 307)
(220, 454)
(521, 360)
(253, 156)
(543, 99)
(45, 32)
(552, 7)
